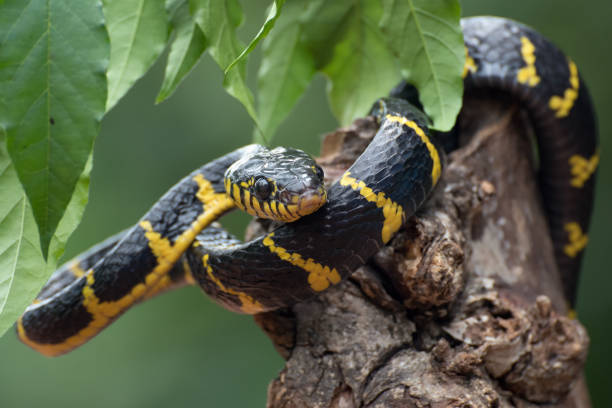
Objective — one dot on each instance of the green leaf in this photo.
(172, 7)
(426, 37)
(187, 47)
(286, 70)
(219, 19)
(273, 15)
(361, 69)
(53, 55)
(23, 270)
(138, 31)
(324, 25)
(300, 44)
(341, 39)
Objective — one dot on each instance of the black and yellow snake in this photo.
(174, 243)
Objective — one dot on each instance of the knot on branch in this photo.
(425, 261)
(534, 352)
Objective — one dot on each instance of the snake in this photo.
(326, 234)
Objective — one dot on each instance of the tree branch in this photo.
(463, 308)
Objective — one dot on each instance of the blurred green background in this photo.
(182, 350)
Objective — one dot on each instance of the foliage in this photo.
(65, 63)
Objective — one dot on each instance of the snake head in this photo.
(282, 184)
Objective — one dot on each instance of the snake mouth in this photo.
(311, 201)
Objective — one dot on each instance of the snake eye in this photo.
(262, 188)
(319, 172)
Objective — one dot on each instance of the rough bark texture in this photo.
(463, 308)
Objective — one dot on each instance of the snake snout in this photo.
(311, 201)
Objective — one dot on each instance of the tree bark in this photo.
(464, 307)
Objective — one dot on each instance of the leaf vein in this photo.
(428, 56)
(12, 26)
(138, 15)
(14, 266)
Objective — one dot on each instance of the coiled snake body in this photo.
(364, 208)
